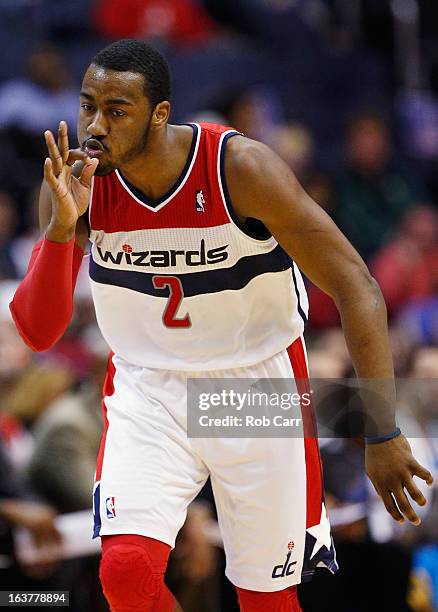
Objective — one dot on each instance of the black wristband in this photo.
(385, 438)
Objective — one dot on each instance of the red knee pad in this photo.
(278, 601)
(132, 573)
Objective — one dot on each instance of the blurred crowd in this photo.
(328, 85)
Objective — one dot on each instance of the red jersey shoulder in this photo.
(215, 128)
(194, 201)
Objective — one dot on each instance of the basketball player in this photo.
(195, 232)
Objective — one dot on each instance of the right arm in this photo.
(43, 303)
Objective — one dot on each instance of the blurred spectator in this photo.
(7, 229)
(67, 437)
(254, 111)
(21, 247)
(15, 356)
(177, 21)
(424, 591)
(63, 462)
(418, 392)
(34, 389)
(322, 309)
(323, 364)
(319, 186)
(207, 116)
(374, 192)
(419, 321)
(29, 105)
(193, 571)
(271, 20)
(18, 510)
(425, 365)
(46, 96)
(293, 142)
(332, 344)
(347, 494)
(407, 267)
(402, 348)
(73, 351)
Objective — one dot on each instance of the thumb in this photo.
(87, 172)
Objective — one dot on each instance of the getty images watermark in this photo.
(245, 408)
(327, 408)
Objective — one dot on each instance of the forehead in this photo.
(104, 83)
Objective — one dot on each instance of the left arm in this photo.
(263, 187)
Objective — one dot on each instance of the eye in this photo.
(86, 107)
(118, 113)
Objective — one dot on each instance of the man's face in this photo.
(369, 145)
(114, 117)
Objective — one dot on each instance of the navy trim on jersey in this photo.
(196, 283)
(297, 292)
(300, 309)
(154, 203)
(253, 228)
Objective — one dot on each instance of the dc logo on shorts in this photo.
(286, 568)
(111, 507)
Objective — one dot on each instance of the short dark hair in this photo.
(137, 56)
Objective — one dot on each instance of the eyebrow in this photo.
(119, 101)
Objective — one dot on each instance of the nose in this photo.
(99, 126)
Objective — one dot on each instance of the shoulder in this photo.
(255, 175)
(244, 154)
(247, 159)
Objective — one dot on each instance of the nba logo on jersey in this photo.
(200, 201)
(110, 507)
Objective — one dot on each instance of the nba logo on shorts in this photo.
(110, 507)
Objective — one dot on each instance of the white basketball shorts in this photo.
(268, 491)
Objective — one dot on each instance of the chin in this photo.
(103, 170)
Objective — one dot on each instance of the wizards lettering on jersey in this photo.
(166, 259)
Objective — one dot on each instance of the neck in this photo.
(158, 167)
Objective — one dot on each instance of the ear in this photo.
(160, 116)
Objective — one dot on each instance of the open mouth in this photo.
(93, 148)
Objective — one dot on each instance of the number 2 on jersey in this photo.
(176, 295)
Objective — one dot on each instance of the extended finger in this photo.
(415, 492)
(87, 172)
(63, 141)
(389, 502)
(404, 505)
(421, 472)
(52, 180)
(49, 175)
(54, 153)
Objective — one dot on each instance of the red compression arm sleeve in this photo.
(43, 303)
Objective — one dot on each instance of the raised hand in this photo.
(70, 194)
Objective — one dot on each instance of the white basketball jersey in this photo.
(178, 283)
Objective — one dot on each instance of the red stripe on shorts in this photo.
(108, 389)
(313, 461)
